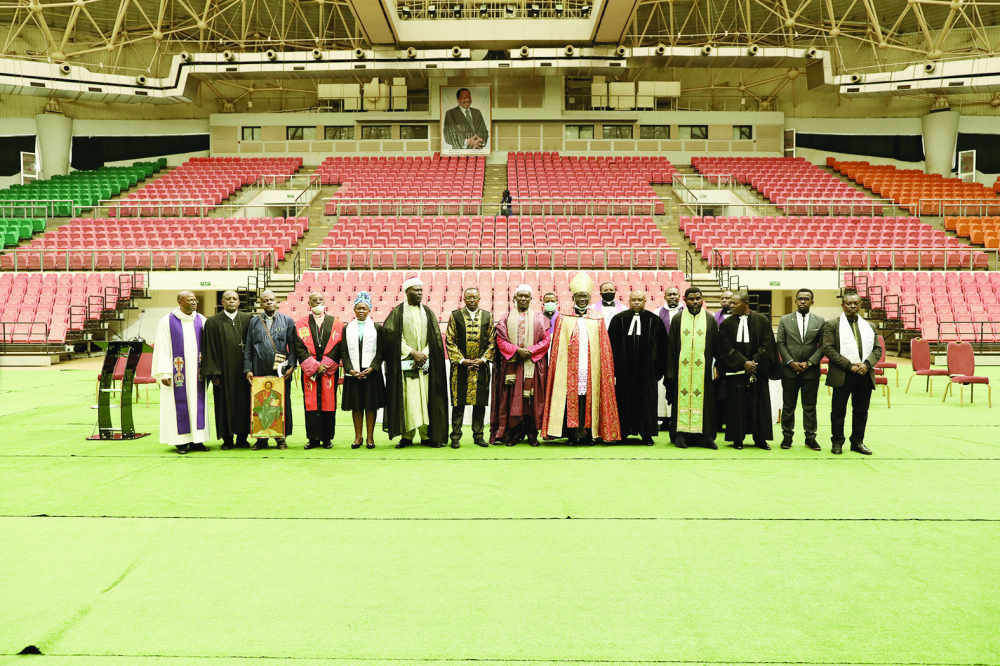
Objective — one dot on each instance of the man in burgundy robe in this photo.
(317, 337)
(518, 403)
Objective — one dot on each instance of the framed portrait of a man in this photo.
(466, 120)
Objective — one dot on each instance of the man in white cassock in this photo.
(177, 369)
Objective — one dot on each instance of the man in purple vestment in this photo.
(609, 306)
(518, 402)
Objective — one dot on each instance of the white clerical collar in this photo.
(743, 332)
(184, 317)
(636, 324)
(231, 316)
(473, 314)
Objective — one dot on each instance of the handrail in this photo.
(6, 339)
(351, 205)
(977, 338)
(47, 206)
(870, 261)
(688, 266)
(126, 259)
(364, 258)
(983, 207)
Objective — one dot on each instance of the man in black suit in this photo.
(799, 337)
(464, 127)
(852, 347)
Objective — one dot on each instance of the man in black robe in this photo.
(692, 345)
(225, 336)
(748, 351)
(416, 385)
(638, 342)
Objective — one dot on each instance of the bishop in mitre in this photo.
(580, 402)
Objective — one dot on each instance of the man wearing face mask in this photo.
(550, 308)
(317, 340)
(608, 307)
(580, 399)
(671, 307)
(691, 348)
(222, 358)
(638, 342)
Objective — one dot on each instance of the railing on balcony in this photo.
(861, 258)
(105, 259)
(555, 205)
(962, 207)
(578, 258)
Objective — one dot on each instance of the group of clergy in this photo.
(604, 372)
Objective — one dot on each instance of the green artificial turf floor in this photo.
(126, 553)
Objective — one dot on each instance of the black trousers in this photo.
(858, 388)
(790, 388)
(321, 426)
(478, 419)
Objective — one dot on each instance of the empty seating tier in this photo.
(158, 243)
(793, 183)
(15, 229)
(202, 182)
(495, 242)
(983, 231)
(785, 242)
(443, 289)
(942, 306)
(932, 193)
(404, 185)
(81, 189)
(543, 182)
(43, 309)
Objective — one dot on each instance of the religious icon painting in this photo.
(267, 405)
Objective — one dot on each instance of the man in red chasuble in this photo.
(317, 337)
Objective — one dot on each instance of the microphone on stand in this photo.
(138, 328)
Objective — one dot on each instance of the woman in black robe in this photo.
(364, 387)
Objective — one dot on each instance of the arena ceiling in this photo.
(873, 31)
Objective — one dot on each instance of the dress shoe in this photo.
(243, 444)
(356, 445)
(511, 443)
(786, 443)
(763, 445)
(258, 446)
(836, 449)
(282, 444)
(327, 444)
(486, 445)
(533, 441)
(456, 445)
(403, 443)
(370, 445)
(182, 449)
(197, 447)
(680, 443)
(648, 441)
(862, 449)
(813, 445)
(311, 445)
(435, 445)
(737, 445)
(226, 446)
(710, 445)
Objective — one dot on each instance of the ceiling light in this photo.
(510, 11)
(585, 11)
(432, 11)
(457, 10)
(559, 9)
(483, 11)
(534, 11)
(405, 11)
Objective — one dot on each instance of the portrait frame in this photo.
(482, 102)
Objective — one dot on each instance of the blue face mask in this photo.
(549, 307)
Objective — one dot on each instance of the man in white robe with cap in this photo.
(177, 369)
(416, 385)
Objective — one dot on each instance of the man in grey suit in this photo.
(799, 337)
(852, 346)
(464, 127)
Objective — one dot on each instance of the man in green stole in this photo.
(691, 347)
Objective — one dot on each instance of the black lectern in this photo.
(115, 350)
